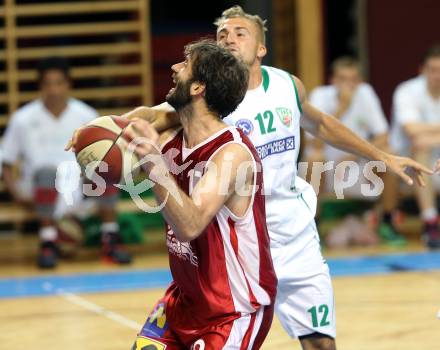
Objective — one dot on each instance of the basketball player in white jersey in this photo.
(274, 108)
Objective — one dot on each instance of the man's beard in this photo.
(180, 97)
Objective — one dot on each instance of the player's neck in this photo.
(434, 92)
(255, 76)
(199, 125)
(56, 109)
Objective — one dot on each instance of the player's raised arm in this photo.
(161, 117)
(332, 131)
(227, 181)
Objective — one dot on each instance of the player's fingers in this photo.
(72, 142)
(405, 177)
(419, 167)
(437, 167)
(147, 130)
(129, 132)
(140, 127)
(69, 145)
(144, 128)
(420, 179)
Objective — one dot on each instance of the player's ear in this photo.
(197, 88)
(261, 52)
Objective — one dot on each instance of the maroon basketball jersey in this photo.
(227, 271)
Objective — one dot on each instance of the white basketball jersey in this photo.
(270, 116)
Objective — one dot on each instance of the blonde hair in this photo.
(237, 12)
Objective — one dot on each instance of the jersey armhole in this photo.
(298, 102)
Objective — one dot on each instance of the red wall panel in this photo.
(399, 33)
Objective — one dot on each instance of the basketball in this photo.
(101, 150)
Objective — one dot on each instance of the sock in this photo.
(48, 233)
(110, 227)
(387, 218)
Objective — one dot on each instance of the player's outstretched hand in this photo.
(407, 169)
(437, 167)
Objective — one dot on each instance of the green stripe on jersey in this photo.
(296, 93)
(265, 78)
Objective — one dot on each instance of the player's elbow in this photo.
(190, 231)
(412, 130)
(328, 127)
(188, 234)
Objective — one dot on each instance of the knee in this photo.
(318, 341)
(45, 194)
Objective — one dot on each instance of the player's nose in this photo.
(230, 39)
(177, 67)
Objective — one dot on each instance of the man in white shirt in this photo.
(36, 136)
(416, 132)
(357, 106)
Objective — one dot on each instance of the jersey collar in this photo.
(265, 74)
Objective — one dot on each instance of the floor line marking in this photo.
(88, 305)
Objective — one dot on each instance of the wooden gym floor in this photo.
(376, 309)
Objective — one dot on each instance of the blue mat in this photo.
(143, 279)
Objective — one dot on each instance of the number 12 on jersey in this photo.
(323, 309)
(268, 117)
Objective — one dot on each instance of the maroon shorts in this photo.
(245, 332)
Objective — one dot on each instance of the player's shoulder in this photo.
(366, 90)
(274, 72)
(83, 108)
(235, 150)
(170, 136)
(27, 112)
(412, 86)
(277, 78)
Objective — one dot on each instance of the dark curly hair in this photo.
(53, 63)
(224, 76)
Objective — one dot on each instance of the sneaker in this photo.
(112, 251)
(431, 235)
(389, 235)
(48, 255)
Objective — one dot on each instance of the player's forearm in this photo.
(165, 120)
(338, 135)
(162, 117)
(179, 211)
(426, 141)
(381, 142)
(415, 129)
(340, 111)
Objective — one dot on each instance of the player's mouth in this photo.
(175, 83)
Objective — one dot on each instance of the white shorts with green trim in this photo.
(305, 302)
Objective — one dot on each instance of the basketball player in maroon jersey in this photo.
(224, 283)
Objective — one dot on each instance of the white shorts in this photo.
(304, 302)
(68, 202)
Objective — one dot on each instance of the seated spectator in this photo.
(35, 138)
(416, 132)
(356, 104)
